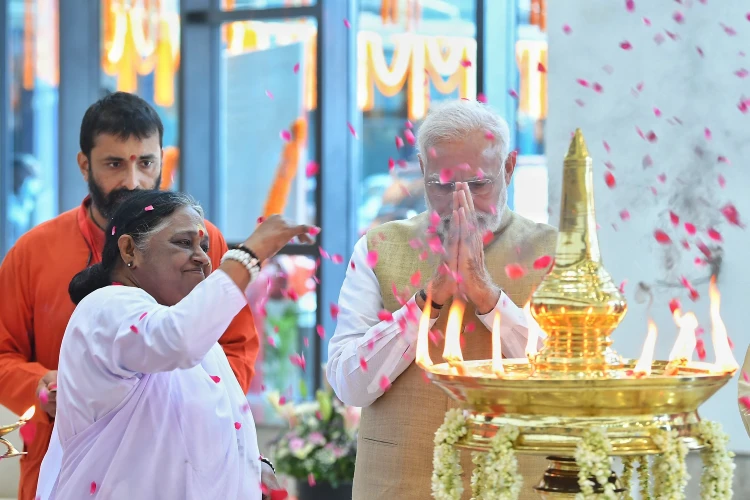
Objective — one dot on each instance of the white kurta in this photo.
(147, 404)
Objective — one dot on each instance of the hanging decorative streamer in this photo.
(278, 195)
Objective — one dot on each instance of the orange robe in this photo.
(35, 309)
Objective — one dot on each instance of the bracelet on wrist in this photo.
(268, 462)
(248, 251)
(433, 304)
(251, 264)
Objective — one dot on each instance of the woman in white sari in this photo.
(147, 404)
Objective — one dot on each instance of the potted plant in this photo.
(320, 447)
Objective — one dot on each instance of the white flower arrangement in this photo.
(643, 478)
(446, 461)
(592, 456)
(718, 466)
(669, 469)
(477, 476)
(628, 464)
(499, 477)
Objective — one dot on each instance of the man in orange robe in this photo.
(121, 151)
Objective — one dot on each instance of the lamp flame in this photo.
(423, 347)
(643, 366)
(28, 414)
(452, 352)
(532, 341)
(497, 352)
(724, 358)
(685, 344)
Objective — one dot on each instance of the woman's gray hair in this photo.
(181, 199)
(457, 119)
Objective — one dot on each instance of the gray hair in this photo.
(457, 119)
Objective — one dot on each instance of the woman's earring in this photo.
(130, 264)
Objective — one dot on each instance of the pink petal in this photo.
(423, 256)
(133, 328)
(92, 488)
(363, 364)
(714, 234)
(372, 259)
(415, 279)
(282, 400)
(690, 228)
(465, 63)
(385, 384)
(597, 87)
(296, 68)
(608, 69)
(44, 395)
(647, 161)
(540, 68)
(149, 208)
(513, 93)
(320, 331)
(487, 237)
(237, 425)
(662, 178)
(446, 175)
(742, 73)
(606, 146)
(384, 315)
(745, 400)
(678, 17)
(337, 258)
(515, 271)
(306, 342)
(624, 214)
(347, 24)
(399, 142)
(700, 349)
(409, 135)
(674, 218)
(722, 181)
(639, 132)
(216, 378)
(298, 360)
(728, 30)
(609, 179)
(731, 214)
(674, 304)
(269, 94)
(543, 262)
(707, 133)
(609, 165)
(415, 243)
(745, 376)
(622, 286)
(312, 168)
(700, 51)
(566, 29)
(271, 341)
(659, 38)
(662, 237)
(113, 230)
(630, 5)
(335, 311)
(646, 21)
(314, 231)
(351, 129)
(651, 136)
(657, 112)
(626, 45)
(582, 82)
(260, 220)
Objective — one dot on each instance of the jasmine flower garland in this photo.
(669, 470)
(592, 456)
(477, 476)
(644, 478)
(500, 478)
(446, 461)
(718, 466)
(627, 475)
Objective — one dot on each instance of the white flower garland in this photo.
(669, 469)
(592, 456)
(627, 475)
(477, 476)
(446, 461)
(718, 466)
(643, 478)
(499, 479)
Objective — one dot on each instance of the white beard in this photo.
(484, 221)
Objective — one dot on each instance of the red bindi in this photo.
(132, 157)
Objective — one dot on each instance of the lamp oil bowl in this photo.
(577, 381)
(11, 451)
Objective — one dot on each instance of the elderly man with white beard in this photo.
(462, 247)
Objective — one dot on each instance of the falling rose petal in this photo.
(622, 286)
(409, 135)
(714, 234)
(237, 425)
(608, 69)
(320, 331)
(385, 384)
(372, 259)
(540, 68)
(489, 136)
(423, 256)
(399, 142)
(28, 432)
(133, 328)
(416, 243)
(282, 400)
(745, 400)
(742, 73)
(609, 179)
(487, 237)
(651, 136)
(149, 208)
(335, 311)
(722, 181)
(690, 228)
(678, 17)
(92, 488)
(347, 24)
(685, 244)
(606, 146)
(700, 51)
(707, 133)
(745, 376)
(306, 342)
(482, 98)
(626, 45)
(113, 230)
(298, 360)
(513, 93)
(260, 220)
(647, 161)
(446, 175)
(582, 82)
(515, 271)
(580, 102)
(673, 36)
(384, 315)
(640, 132)
(662, 237)
(415, 279)
(674, 304)
(216, 378)
(597, 87)
(729, 211)
(391, 164)
(674, 218)
(630, 5)
(647, 21)
(662, 178)
(337, 258)
(653, 190)
(296, 68)
(700, 349)
(272, 341)
(363, 364)
(624, 214)
(312, 168)
(314, 231)
(566, 29)
(609, 165)
(142, 316)
(657, 112)
(728, 29)
(351, 130)
(543, 262)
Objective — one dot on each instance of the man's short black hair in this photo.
(122, 115)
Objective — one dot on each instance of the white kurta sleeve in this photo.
(514, 327)
(148, 337)
(744, 392)
(366, 354)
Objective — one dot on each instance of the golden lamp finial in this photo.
(578, 304)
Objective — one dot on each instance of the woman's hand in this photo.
(275, 232)
(271, 488)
